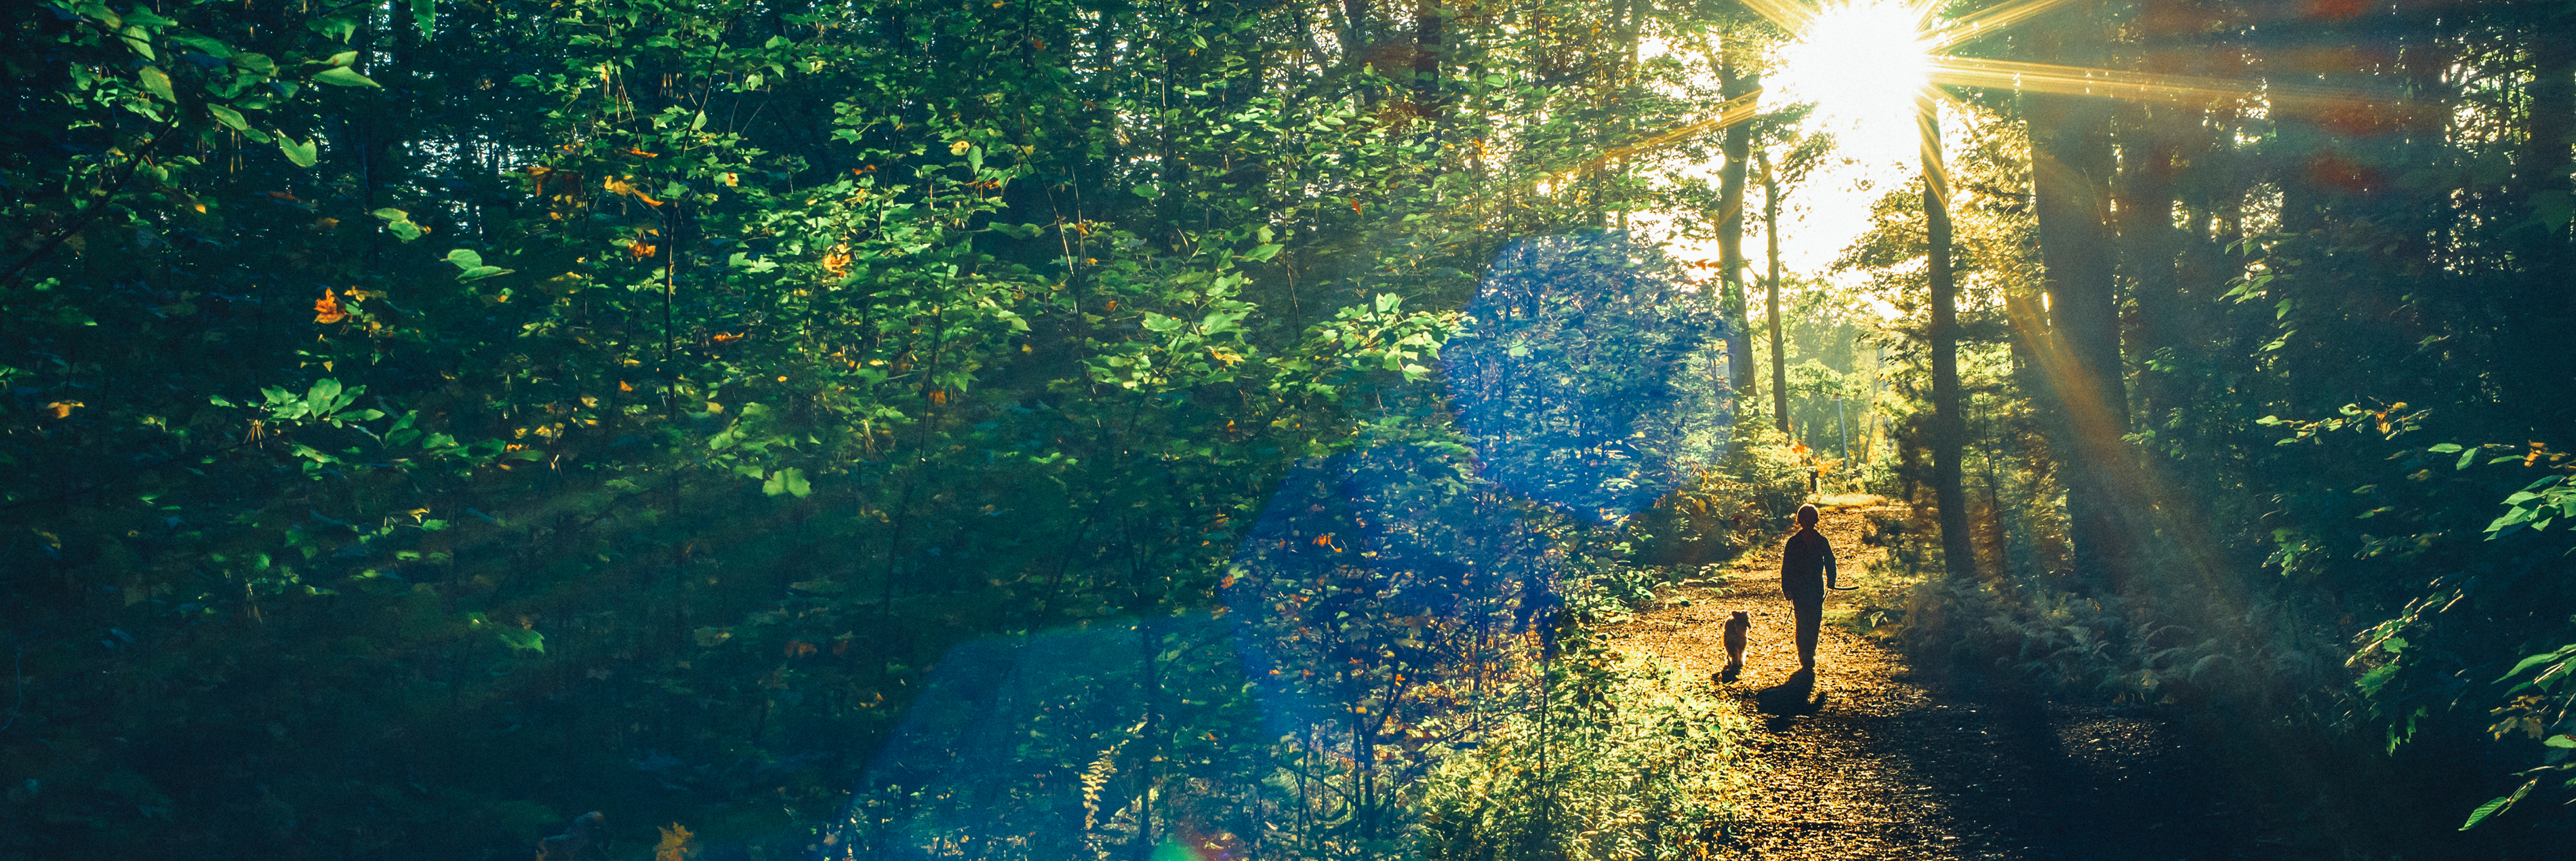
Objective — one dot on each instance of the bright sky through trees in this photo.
(1861, 64)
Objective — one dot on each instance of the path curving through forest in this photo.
(1879, 762)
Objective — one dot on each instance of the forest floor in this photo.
(1878, 761)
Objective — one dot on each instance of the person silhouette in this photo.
(1806, 571)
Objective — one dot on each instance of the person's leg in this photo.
(1811, 618)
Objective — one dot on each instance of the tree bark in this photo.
(2079, 353)
(2546, 198)
(1738, 146)
(2545, 153)
(1949, 427)
(1429, 32)
(1771, 298)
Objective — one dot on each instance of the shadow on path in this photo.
(1868, 759)
(1787, 701)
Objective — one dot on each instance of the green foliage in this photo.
(2318, 576)
(1613, 758)
(680, 383)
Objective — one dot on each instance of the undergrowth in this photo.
(1624, 761)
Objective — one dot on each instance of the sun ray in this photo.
(2170, 89)
(1729, 112)
(1988, 20)
(1788, 14)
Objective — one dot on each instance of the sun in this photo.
(1862, 63)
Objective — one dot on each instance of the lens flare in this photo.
(1862, 63)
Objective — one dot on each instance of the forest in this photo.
(1218, 429)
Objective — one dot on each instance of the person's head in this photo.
(1807, 517)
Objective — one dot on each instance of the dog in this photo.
(1736, 626)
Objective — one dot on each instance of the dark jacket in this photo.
(1804, 564)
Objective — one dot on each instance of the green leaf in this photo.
(2560, 740)
(324, 391)
(465, 258)
(231, 119)
(2535, 660)
(2498, 805)
(255, 62)
(790, 481)
(422, 15)
(2377, 678)
(2467, 458)
(140, 41)
(712, 637)
(1160, 323)
(210, 47)
(481, 272)
(398, 223)
(158, 82)
(2445, 448)
(343, 76)
(1148, 191)
(523, 641)
(302, 154)
(1264, 252)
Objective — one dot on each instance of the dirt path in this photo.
(1873, 763)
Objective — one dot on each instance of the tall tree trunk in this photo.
(2156, 247)
(2070, 153)
(1949, 426)
(1355, 32)
(1429, 32)
(2147, 235)
(2545, 187)
(1771, 298)
(1733, 82)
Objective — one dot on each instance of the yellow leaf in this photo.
(626, 186)
(675, 844)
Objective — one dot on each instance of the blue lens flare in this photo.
(1371, 583)
(1585, 376)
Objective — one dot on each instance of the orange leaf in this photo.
(625, 185)
(327, 309)
(675, 844)
(61, 409)
(799, 648)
